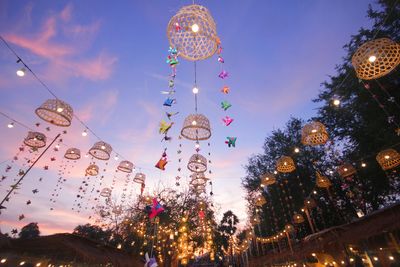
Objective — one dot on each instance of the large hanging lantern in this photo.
(196, 127)
(105, 192)
(125, 166)
(56, 112)
(35, 140)
(376, 58)
(197, 163)
(72, 154)
(198, 179)
(92, 170)
(193, 32)
(285, 164)
(298, 218)
(139, 178)
(322, 181)
(314, 133)
(101, 150)
(260, 201)
(388, 159)
(267, 179)
(346, 170)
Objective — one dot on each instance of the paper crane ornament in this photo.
(170, 114)
(225, 105)
(225, 90)
(227, 120)
(150, 262)
(164, 127)
(172, 51)
(155, 209)
(162, 161)
(171, 83)
(169, 101)
(231, 141)
(170, 92)
(220, 59)
(223, 74)
(172, 61)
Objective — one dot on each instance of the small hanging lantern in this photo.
(260, 201)
(322, 181)
(314, 133)
(196, 127)
(72, 154)
(346, 170)
(388, 159)
(285, 164)
(376, 58)
(289, 228)
(193, 32)
(35, 140)
(298, 218)
(117, 210)
(92, 170)
(255, 220)
(125, 166)
(56, 112)
(101, 150)
(105, 192)
(197, 163)
(198, 179)
(139, 178)
(267, 179)
(310, 203)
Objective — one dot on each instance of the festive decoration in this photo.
(223, 74)
(196, 127)
(322, 181)
(225, 105)
(376, 58)
(170, 114)
(260, 201)
(106, 192)
(388, 159)
(231, 141)
(162, 161)
(225, 90)
(35, 140)
(139, 178)
(314, 133)
(298, 218)
(227, 120)
(267, 179)
(92, 170)
(150, 262)
(101, 150)
(169, 101)
(165, 127)
(155, 209)
(125, 166)
(198, 178)
(346, 170)
(197, 163)
(72, 154)
(285, 164)
(56, 112)
(193, 32)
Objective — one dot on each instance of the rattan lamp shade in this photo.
(56, 112)
(298, 218)
(260, 201)
(346, 170)
(139, 178)
(125, 166)
(196, 127)
(376, 58)
(255, 220)
(268, 179)
(92, 170)
(72, 154)
(197, 163)
(388, 159)
(322, 181)
(314, 133)
(105, 192)
(101, 150)
(285, 164)
(198, 179)
(117, 210)
(35, 140)
(182, 34)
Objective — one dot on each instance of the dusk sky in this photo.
(107, 60)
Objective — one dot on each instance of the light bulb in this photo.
(296, 150)
(275, 172)
(116, 157)
(195, 27)
(38, 264)
(314, 130)
(197, 145)
(375, 258)
(103, 147)
(363, 165)
(10, 125)
(3, 260)
(387, 156)
(370, 59)
(336, 102)
(195, 90)
(60, 109)
(21, 72)
(391, 258)
(84, 133)
(22, 263)
(194, 122)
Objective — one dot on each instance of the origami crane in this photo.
(225, 105)
(172, 51)
(162, 161)
(169, 101)
(231, 141)
(155, 209)
(21, 217)
(164, 127)
(170, 92)
(170, 114)
(171, 83)
(225, 89)
(177, 27)
(172, 60)
(227, 120)
(223, 74)
(220, 59)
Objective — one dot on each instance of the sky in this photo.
(108, 62)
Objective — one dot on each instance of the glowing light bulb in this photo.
(194, 122)
(38, 264)
(372, 59)
(195, 27)
(84, 133)
(60, 109)
(197, 145)
(391, 258)
(363, 165)
(387, 156)
(375, 258)
(116, 157)
(275, 172)
(103, 147)
(3, 260)
(22, 263)
(195, 90)
(21, 72)
(336, 102)
(296, 150)
(314, 130)
(315, 192)
(10, 125)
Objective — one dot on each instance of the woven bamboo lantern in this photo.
(322, 181)
(199, 189)
(105, 192)
(193, 32)
(92, 170)
(35, 140)
(125, 166)
(388, 159)
(255, 220)
(376, 58)
(56, 112)
(196, 127)
(198, 179)
(346, 170)
(139, 178)
(117, 210)
(310, 203)
(285, 164)
(197, 163)
(72, 154)
(298, 218)
(101, 150)
(314, 133)
(267, 179)
(260, 201)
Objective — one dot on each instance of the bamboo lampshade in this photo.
(35, 140)
(285, 164)
(92, 170)
(105, 192)
(56, 112)
(388, 159)
(139, 178)
(260, 201)
(125, 166)
(101, 150)
(346, 170)
(198, 179)
(199, 189)
(310, 203)
(322, 181)
(376, 58)
(197, 163)
(267, 179)
(314, 133)
(298, 218)
(117, 210)
(255, 220)
(192, 31)
(72, 154)
(196, 127)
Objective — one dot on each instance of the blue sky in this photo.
(108, 62)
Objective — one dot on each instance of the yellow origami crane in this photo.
(164, 127)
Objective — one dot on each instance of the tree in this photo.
(30, 230)
(93, 232)
(227, 227)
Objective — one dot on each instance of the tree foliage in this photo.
(30, 230)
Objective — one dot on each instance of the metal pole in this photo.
(309, 219)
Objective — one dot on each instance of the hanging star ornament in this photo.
(225, 105)
(223, 74)
(164, 127)
(227, 120)
(225, 89)
(231, 141)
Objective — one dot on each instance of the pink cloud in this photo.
(66, 13)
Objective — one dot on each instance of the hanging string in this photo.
(195, 85)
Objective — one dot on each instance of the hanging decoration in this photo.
(285, 164)
(196, 127)
(322, 181)
(225, 105)
(155, 209)
(260, 201)
(150, 262)
(346, 170)
(35, 140)
(267, 179)
(56, 112)
(314, 133)
(92, 170)
(162, 161)
(197, 163)
(388, 159)
(101, 150)
(125, 166)
(231, 142)
(140, 178)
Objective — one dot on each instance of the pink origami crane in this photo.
(227, 120)
(155, 209)
(224, 74)
(220, 59)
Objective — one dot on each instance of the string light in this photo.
(84, 133)
(391, 258)
(22, 263)
(116, 157)
(195, 90)
(336, 102)
(3, 260)
(363, 165)
(10, 125)
(38, 264)
(296, 150)
(197, 145)
(21, 72)
(376, 259)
